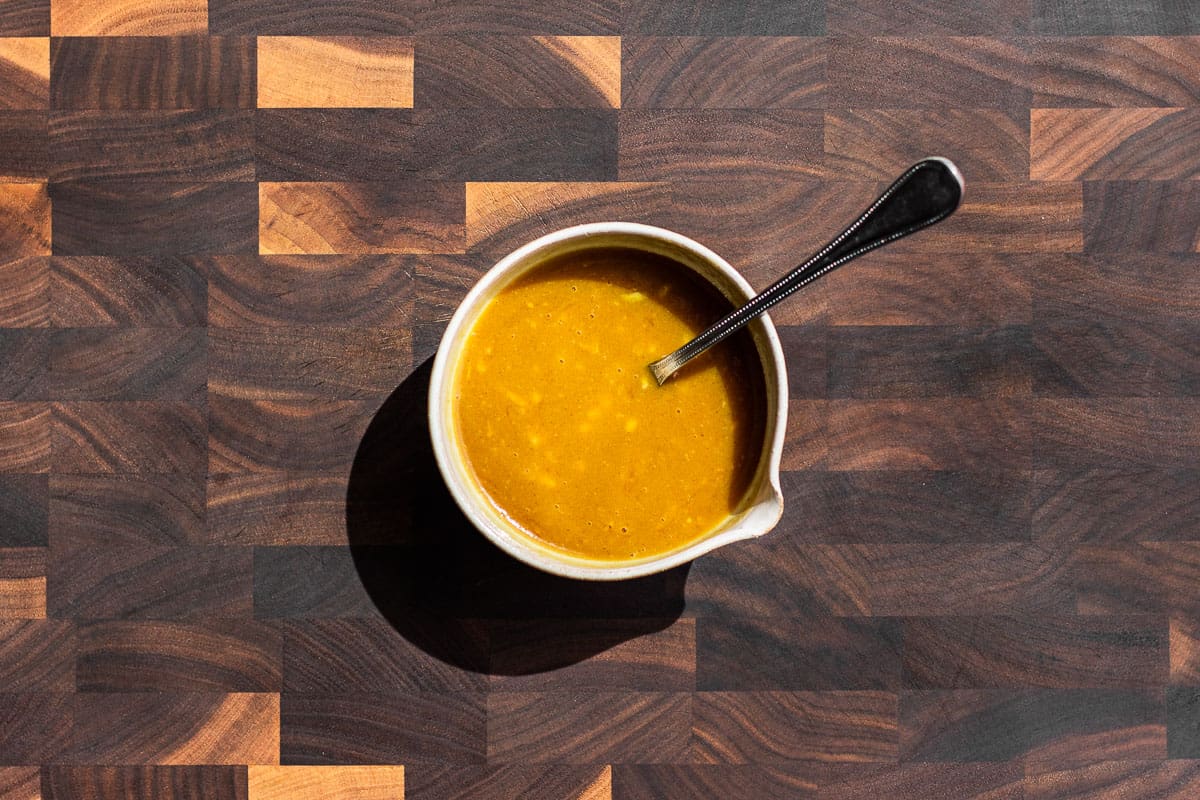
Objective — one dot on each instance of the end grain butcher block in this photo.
(232, 232)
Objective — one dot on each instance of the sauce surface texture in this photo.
(567, 433)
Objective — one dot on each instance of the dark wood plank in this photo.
(37, 655)
(308, 582)
(682, 781)
(1112, 432)
(393, 728)
(773, 727)
(426, 781)
(1116, 71)
(1098, 18)
(1054, 652)
(24, 437)
(24, 72)
(718, 145)
(552, 655)
(1148, 290)
(911, 361)
(152, 72)
(1110, 780)
(283, 291)
(579, 727)
(211, 145)
(35, 727)
(714, 18)
(1109, 505)
(1134, 578)
(722, 72)
(936, 579)
(1119, 358)
(926, 18)
(1050, 726)
(1185, 651)
(174, 728)
(1113, 144)
(917, 781)
(26, 155)
(275, 508)
(910, 505)
(160, 218)
(989, 145)
(434, 144)
(366, 17)
(142, 436)
(25, 354)
(24, 292)
(264, 436)
(94, 291)
(221, 655)
(812, 652)
(1183, 726)
(149, 582)
(332, 656)
(25, 18)
(24, 502)
(104, 510)
(144, 783)
(1159, 216)
(297, 363)
(127, 364)
(936, 72)
(511, 72)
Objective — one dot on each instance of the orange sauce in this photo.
(564, 428)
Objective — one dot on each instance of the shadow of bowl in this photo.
(446, 589)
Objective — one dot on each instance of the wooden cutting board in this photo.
(231, 233)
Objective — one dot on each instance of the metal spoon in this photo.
(925, 194)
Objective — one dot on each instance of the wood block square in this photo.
(22, 584)
(20, 783)
(24, 437)
(128, 17)
(327, 783)
(24, 219)
(24, 73)
(334, 72)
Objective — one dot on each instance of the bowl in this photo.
(765, 505)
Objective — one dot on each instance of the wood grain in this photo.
(981, 780)
(25, 18)
(1116, 71)
(1108, 432)
(23, 506)
(144, 783)
(224, 655)
(334, 72)
(392, 728)
(24, 73)
(24, 437)
(175, 728)
(1069, 19)
(320, 218)
(1111, 144)
(127, 17)
(24, 220)
(26, 159)
(139, 364)
(134, 218)
(326, 783)
(1108, 780)
(127, 509)
(496, 783)
(766, 727)
(371, 17)
(265, 436)
(722, 72)
(1158, 216)
(38, 655)
(714, 18)
(508, 72)
(1113, 505)
(35, 727)
(123, 437)
(275, 509)
(212, 145)
(574, 727)
(20, 783)
(722, 144)
(100, 292)
(1185, 652)
(25, 352)
(283, 291)
(926, 18)
(24, 292)
(431, 144)
(152, 72)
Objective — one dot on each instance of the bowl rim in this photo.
(453, 468)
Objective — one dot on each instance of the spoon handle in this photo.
(925, 194)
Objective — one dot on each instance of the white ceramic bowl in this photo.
(762, 512)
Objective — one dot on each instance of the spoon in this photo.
(925, 194)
